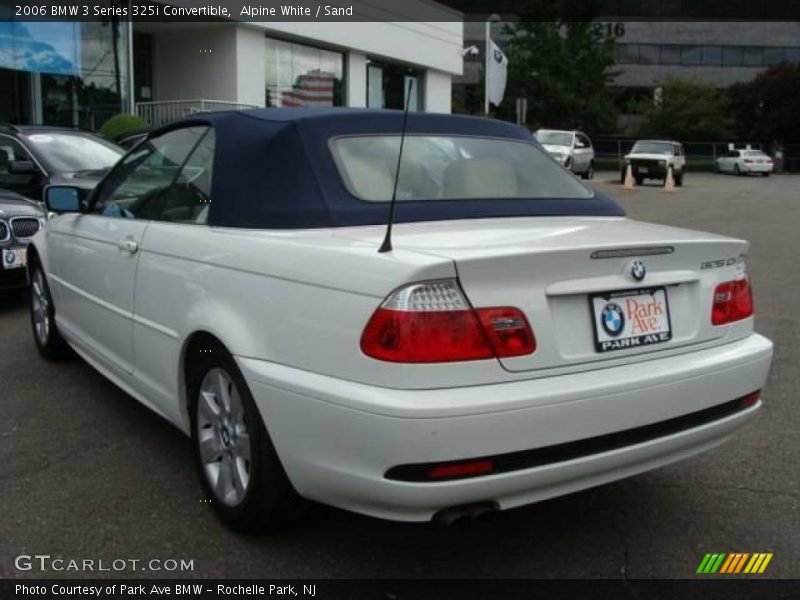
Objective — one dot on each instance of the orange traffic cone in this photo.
(669, 182)
(628, 183)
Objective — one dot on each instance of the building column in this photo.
(438, 92)
(356, 76)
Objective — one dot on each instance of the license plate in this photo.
(13, 258)
(630, 319)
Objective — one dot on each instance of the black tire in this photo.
(622, 176)
(736, 170)
(568, 163)
(639, 180)
(269, 501)
(46, 336)
(679, 179)
(589, 174)
(766, 174)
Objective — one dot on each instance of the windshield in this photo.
(71, 152)
(451, 167)
(554, 138)
(756, 153)
(652, 148)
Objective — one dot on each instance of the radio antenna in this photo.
(386, 246)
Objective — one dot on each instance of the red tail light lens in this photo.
(733, 301)
(508, 331)
(479, 467)
(433, 322)
(748, 161)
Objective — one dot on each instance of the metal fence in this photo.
(160, 113)
(699, 155)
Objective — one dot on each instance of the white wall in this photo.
(438, 91)
(250, 66)
(356, 76)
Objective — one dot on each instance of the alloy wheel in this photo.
(223, 438)
(40, 307)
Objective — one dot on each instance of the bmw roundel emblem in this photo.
(637, 270)
(10, 258)
(613, 320)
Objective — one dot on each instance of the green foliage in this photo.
(561, 63)
(122, 124)
(688, 110)
(768, 107)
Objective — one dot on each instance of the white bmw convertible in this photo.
(517, 339)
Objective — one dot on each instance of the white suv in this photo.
(650, 159)
(573, 149)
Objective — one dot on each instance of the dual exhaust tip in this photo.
(460, 516)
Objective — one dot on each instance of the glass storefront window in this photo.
(299, 75)
(73, 74)
(387, 85)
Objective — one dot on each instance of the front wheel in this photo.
(679, 179)
(736, 170)
(48, 340)
(239, 468)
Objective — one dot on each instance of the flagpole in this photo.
(487, 57)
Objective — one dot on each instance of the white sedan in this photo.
(744, 162)
(517, 339)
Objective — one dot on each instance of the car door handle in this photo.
(128, 245)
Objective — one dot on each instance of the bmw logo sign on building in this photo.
(613, 320)
(637, 270)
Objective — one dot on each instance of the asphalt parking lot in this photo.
(87, 472)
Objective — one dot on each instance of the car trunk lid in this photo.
(562, 272)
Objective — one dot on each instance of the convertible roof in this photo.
(273, 168)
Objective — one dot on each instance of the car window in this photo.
(554, 138)
(584, 141)
(652, 148)
(10, 150)
(189, 198)
(135, 188)
(442, 167)
(72, 152)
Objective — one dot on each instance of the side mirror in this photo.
(62, 199)
(21, 167)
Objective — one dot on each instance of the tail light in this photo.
(748, 161)
(433, 322)
(733, 300)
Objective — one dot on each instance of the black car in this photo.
(32, 157)
(20, 219)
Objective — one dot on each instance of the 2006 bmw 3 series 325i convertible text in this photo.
(522, 339)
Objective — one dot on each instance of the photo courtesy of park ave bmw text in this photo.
(428, 299)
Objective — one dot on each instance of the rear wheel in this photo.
(239, 468)
(590, 171)
(43, 317)
(766, 173)
(639, 180)
(736, 170)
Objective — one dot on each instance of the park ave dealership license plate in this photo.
(630, 319)
(13, 258)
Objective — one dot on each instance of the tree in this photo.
(561, 62)
(767, 108)
(686, 110)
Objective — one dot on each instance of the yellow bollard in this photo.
(628, 183)
(669, 182)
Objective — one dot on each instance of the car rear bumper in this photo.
(758, 168)
(337, 439)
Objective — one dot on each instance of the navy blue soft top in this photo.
(273, 169)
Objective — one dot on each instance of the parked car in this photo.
(20, 219)
(744, 162)
(573, 149)
(651, 159)
(34, 157)
(518, 339)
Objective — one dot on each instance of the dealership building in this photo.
(81, 73)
